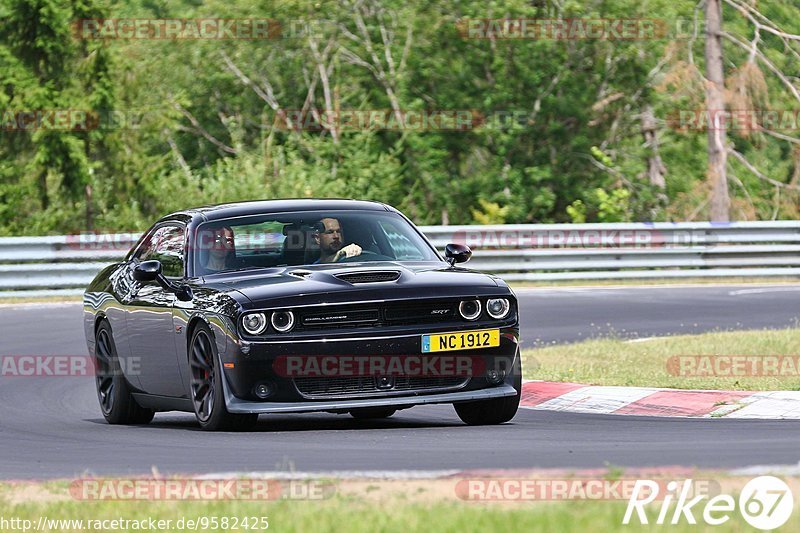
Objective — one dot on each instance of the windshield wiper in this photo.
(241, 269)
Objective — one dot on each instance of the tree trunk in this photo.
(89, 210)
(656, 170)
(44, 197)
(715, 105)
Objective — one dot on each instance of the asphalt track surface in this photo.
(52, 427)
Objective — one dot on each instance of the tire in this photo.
(367, 413)
(205, 386)
(113, 391)
(494, 411)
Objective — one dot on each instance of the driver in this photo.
(329, 238)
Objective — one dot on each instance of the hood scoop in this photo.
(300, 273)
(369, 276)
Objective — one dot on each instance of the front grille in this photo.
(344, 317)
(399, 313)
(369, 277)
(349, 387)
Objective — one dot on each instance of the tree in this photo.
(556, 119)
(48, 72)
(715, 105)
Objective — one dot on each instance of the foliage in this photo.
(555, 131)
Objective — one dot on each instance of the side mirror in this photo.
(457, 253)
(147, 271)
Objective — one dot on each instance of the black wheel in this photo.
(113, 391)
(496, 410)
(365, 413)
(206, 386)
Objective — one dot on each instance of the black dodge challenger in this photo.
(290, 306)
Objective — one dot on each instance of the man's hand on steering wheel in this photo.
(351, 250)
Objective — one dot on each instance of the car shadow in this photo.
(302, 422)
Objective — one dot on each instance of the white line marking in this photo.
(586, 288)
(763, 290)
(762, 470)
(644, 339)
(343, 474)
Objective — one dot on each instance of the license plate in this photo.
(463, 340)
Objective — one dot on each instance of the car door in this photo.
(149, 313)
(122, 284)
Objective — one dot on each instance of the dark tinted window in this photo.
(307, 238)
(165, 244)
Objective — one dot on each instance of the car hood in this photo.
(312, 284)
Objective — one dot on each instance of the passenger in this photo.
(221, 253)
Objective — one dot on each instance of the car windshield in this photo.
(306, 238)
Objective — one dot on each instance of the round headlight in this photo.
(470, 309)
(254, 323)
(498, 307)
(282, 321)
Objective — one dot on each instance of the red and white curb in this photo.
(643, 401)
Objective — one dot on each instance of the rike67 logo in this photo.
(765, 503)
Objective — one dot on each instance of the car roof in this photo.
(257, 207)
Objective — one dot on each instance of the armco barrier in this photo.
(529, 252)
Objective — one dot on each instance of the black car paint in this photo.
(151, 327)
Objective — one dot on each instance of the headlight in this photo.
(498, 307)
(254, 323)
(470, 309)
(282, 321)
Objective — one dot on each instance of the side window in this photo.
(402, 248)
(165, 244)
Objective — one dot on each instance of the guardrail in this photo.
(529, 252)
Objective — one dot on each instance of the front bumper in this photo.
(257, 365)
(237, 405)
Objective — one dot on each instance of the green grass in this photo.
(644, 363)
(400, 512)
(43, 299)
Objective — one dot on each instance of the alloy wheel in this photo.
(203, 377)
(104, 371)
